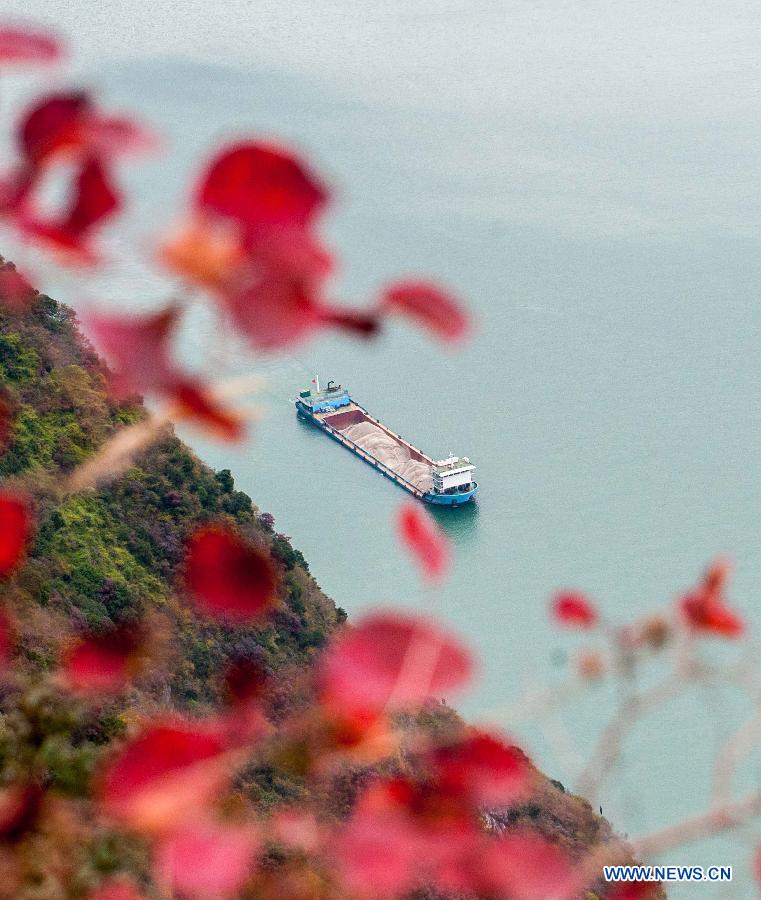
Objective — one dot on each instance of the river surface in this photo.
(586, 176)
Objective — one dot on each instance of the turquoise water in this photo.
(587, 180)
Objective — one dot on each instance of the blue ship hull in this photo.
(451, 500)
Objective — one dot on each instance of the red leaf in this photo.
(434, 806)
(638, 890)
(71, 122)
(27, 45)
(228, 577)
(378, 856)
(19, 809)
(364, 324)
(15, 291)
(101, 663)
(138, 348)
(484, 769)
(245, 681)
(204, 253)
(704, 609)
(260, 186)
(15, 528)
(199, 405)
(94, 200)
(119, 888)
(15, 189)
(527, 866)
(52, 125)
(244, 686)
(572, 608)
(274, 314)
(717, 575)
(276, 302)
(710, 617)
(431, 306)
(110, 136)
(425, 835)
(425, 541)
(207, 859)
(170, 769)
(297, 828)
(394, 660)
(269, 284)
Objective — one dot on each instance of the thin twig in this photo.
(117, 454)
(737, 748)
(698, 827)
(609, 746)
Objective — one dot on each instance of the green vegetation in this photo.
(109, 555)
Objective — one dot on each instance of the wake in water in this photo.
(391, 454)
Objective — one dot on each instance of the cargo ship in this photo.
(446, 482)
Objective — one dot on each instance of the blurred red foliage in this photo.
(139, 348)
(425, 540)
(102, 663)
(27, 45)
(93, 200)
(168, 771)
(261, 187)
(227, 577)
(704, 608)
(207, 859)
(482, 768)
(572, 608)
(15, 529)
(394, 661)
(433, 307)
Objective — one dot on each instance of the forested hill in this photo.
(111, 556)
(108, 555)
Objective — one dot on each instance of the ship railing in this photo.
(453, 491)
(360, 451)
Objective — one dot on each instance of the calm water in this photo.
(589, 183)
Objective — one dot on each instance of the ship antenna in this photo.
(316, 383)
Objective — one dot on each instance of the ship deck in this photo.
(336, 422)
(353, 414)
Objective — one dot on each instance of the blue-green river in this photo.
(586, 177)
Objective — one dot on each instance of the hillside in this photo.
(110, 556)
